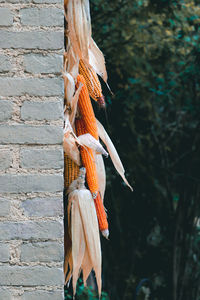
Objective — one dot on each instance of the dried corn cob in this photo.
(92, 177)
(86, 109)
(71, 171)
(87, 159)
(92, 82)
(101, 215)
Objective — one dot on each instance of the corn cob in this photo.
(101, 215)
(92, 82)
(86, 109)
(91, 176)
(71, 171)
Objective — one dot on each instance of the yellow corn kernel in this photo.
(92, 81)
(71, 171)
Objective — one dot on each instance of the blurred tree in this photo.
(153, 60)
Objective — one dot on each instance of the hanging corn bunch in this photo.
(86, 216)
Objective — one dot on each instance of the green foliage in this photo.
(85, 293)
(152, 49)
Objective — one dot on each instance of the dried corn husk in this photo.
(97, 60)
(80, 44)
(101, 173)
(74, 103)
(89, 141)
(70, 148)
(69, 85)
(113, 152)
(86, 250)
(79, 27)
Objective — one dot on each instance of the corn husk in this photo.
(79, 27)
(80, 44)
(70, 148)
(69, 85)
(113, 152)
(89, 141)
(101, 173)
(86, 250)
(97, 60)
(74, 103)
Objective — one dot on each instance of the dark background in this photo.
(152, 51)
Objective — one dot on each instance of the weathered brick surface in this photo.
(5, 294)
(31, 230)
(30, 276)
(5, 159)
(43, 295)
(41, 158)
(47, 1)
(44, 64)
(31, 152)
(4, 207)
(30, 134)
(42, 111)
(31, 86)
(36, 40)
(5, 64)
(33, 1)
(43, 252)
(6, 17)
(46, 207)
(42, 16)
(4, 254)
(6, 109)
(27, 183)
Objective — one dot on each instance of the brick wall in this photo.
(31, 156)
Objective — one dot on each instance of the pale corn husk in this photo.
(74, 103)
(113, 152)
(79, 27)
(89, 141)
(97, 60)
(70, 148)
(101, 173)
(80, 42)
(69, 85)
(86, 249)
(71, 64)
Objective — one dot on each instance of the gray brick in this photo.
(42, 158)
(6, 109)
(31, 86)
(47, 1)
(5, 64)
(30, 276)
(4, 207)
(29, 134)
(5, 294)
(42, 16)
(5, 159)
(44, 64)
(34, 40)
(6, 18)
(43, 252)
(43, 207)
(30, 230)
(30, 183)
(42, 111)
(43, 295)
(4, 254)
(16, 1)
